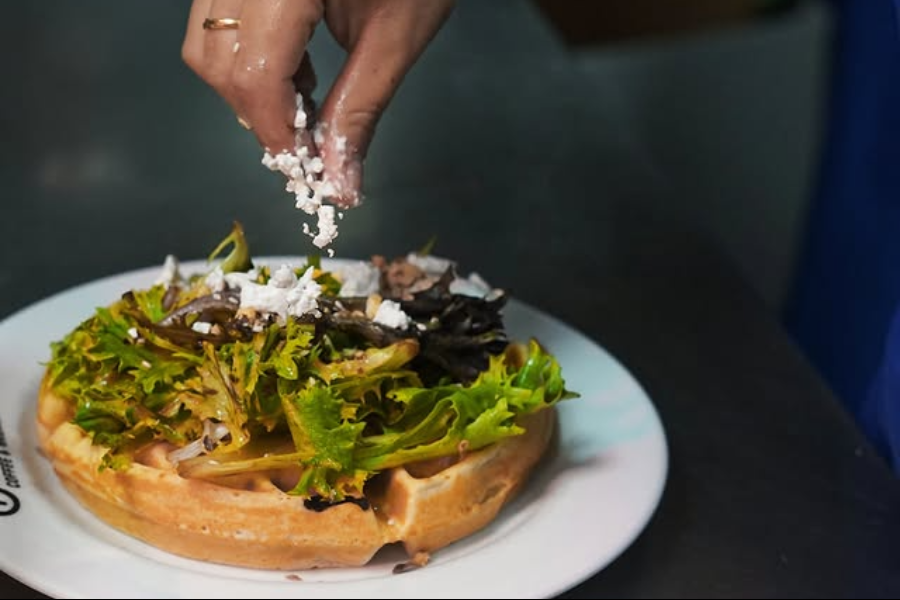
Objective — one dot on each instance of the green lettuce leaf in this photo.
(326, 408)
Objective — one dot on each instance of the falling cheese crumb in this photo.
(307, 181)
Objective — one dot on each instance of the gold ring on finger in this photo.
(221, 23)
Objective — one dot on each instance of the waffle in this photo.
(250, 520)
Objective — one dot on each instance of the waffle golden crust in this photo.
(249, 521)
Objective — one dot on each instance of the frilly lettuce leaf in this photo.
(337, 448)
(326, 405)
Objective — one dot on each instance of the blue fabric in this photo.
(880, 412)
(848, 286)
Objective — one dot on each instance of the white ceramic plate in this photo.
(585, 505)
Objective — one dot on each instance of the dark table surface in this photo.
(114, 156)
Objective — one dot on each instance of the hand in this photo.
(261, 65)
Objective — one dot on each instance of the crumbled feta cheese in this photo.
(239, 279)
(358, 279)
(202, 327)
(474, 285)
(304, 295)
(327, 227)
(170, 272)
(278, 297)
(264, 298)
(494, 294)
(217, 281)
(305, 179)
(314, 165)
(432, 265)
(391, 315)
(283, 277)
(133, 333)
(300, 117)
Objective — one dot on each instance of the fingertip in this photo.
(342, 166)
(275, 141)
(350, 191)
(270, 114)
(347, 183)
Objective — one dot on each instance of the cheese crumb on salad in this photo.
(170, 273)
(218, 281)
(285, 295)
(432, 265)
(389, 293)
(203, 327)
(391, 315)
(358, 279)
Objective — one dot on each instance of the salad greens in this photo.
(331, 397)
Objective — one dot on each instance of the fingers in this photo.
(253, 67)
(384, 45)
(219, 46)
(259, 67)
(273, 39)
(211, 53)
(192, 47)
